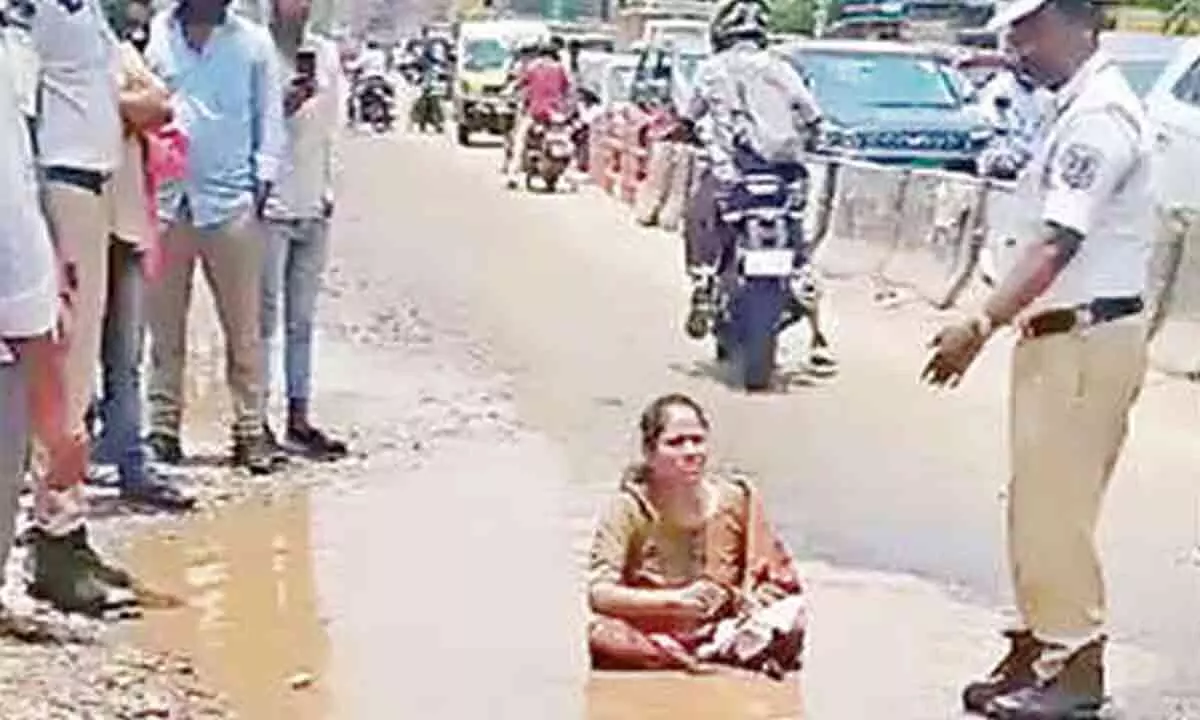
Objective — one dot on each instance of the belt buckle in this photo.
(1085, 317)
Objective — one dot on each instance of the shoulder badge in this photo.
(1078, 165)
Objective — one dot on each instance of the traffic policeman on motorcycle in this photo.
(751, 112)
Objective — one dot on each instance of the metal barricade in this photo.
(662, 196)
(864, 220)
(1174, 295)
(938, 240)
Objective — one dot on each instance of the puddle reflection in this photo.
(666, 696)
(251, 619)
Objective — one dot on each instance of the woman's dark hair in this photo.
(654, 418)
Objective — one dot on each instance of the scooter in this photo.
(548, 152)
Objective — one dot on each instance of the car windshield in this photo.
(484, 54)
(1142, 74)
(850, 82)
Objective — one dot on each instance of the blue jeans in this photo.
(295, 260)
(120, 408)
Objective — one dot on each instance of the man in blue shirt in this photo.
(227, 94)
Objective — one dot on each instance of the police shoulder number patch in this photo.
(1078, 165)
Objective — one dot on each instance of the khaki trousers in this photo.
(231, 257)
(79, 222)
(1070, 403)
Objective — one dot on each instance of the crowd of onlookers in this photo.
(136, 145)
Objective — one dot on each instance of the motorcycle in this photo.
(548, 152)
(374, 101)
(755, 293)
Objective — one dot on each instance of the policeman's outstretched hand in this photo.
(954, 349)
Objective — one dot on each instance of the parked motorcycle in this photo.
(548, 152)
(756, 297)
(427, 110)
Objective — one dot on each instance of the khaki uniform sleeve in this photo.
(616, 528)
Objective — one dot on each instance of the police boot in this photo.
(1076, 692)
(63, 577)
(86, 554)
(1013, 673)
(702, 308)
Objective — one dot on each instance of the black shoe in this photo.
(1013, 673)
(153, 493)
(66, 576)
(259, 455)
(1075, 693)
(166, 448)
(315, 444)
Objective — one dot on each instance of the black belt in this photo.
(1096, 312)
(90, 180)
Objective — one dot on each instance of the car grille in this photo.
(913, 140)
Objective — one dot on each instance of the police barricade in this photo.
(679, 185)
(939, 235)
(818, 208)
(662, 196)
(1174, 295)
(864, 220)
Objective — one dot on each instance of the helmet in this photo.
(739, 20)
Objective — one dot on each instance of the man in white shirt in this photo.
(298, 214)
(78, 136)
(1075, 296)
(36, 347)
(78, 148)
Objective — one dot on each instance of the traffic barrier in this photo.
(663, 193)
(679, 183)
(938, 243)
(931, 231)
(1174, 295)
(864, 219)
(652, 192)
(630, 135)
(818, 209)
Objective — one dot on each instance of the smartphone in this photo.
(306, 65)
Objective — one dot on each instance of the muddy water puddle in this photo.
(657, 696)
(250, 620)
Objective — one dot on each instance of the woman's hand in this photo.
(700, 600)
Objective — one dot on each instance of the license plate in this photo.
(774, 262)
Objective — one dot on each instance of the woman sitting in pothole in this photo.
(686, 572)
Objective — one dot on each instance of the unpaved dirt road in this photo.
(569, 319)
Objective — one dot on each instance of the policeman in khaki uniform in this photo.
(1074, 297)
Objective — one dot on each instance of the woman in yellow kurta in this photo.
(685, 570)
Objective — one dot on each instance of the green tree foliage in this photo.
(793, 16)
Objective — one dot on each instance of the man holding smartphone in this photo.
(297, 215)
